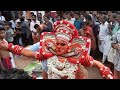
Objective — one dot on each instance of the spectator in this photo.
(6, 58)
(18, 37)
(13, 21)
(116, 46)
(58, 17)
(33, 30)
(2, 19)
(102, 34)
(42, 28)
(24, 28)
(48, 23)
(69, 18)
(9, 32)
(40, 18)
(77, 21)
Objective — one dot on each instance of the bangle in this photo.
(9, 46)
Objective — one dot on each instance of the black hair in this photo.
(88, 17)
(8, 23)
(2, 28)
(36, 26)
(83, 24)
(14, 74)
(77, 13)
(22, 19)
(32, 13)
(105, 17)
(47, 17)
(19, 23)
(34, 16)
(114, 15)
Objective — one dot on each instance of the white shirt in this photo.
(32, 23)
(18, 20)
(71, 21)
(103, 30)
(35, 47)
(2, 18)
(13, 23)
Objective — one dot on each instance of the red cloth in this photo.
(89, 34)
(7, 63)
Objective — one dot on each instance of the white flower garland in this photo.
(53, 64)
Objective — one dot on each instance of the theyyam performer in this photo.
(64, 51)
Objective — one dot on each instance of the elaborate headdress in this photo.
(65, 30)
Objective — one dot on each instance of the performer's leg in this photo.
(44, 74)
(115, 74)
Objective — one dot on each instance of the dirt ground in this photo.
(21, 62)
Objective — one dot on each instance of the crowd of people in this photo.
(101, 27)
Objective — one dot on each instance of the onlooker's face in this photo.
(82, 17)
(76, 16)
(45, 18)
(101, 19)
(7, 26)
(33, 18)
(58, 18)
(2, 34)
(118, 19)
(111, 19)
(68, 16)
(39, 15)
(18, 25)
(38, 29)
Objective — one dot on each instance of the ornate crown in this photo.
(65, 30)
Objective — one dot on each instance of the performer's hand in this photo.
(99, 42)
(38, 56)
(50, 45)
(115, 46)
(78, 51)
(106, 73)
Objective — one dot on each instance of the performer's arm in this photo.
(105, 71)
(28, 53)
(16, 49)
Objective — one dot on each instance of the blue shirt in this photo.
(35, 47)
(77, 24)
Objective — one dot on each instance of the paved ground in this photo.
(21, 62)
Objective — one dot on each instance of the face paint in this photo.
(61, 47)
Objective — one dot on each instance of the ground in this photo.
(21, 62)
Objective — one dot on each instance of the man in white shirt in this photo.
(2, 19)
(13, 21)
(33, 30)
(103, 32)
(69, 18)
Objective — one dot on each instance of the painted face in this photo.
(61, 47)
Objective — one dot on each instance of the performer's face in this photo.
(61, 47)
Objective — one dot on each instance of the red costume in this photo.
(6, 61)
(64, 51)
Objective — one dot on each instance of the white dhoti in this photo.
(111, 55)
(106, 47)
(101, 46)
